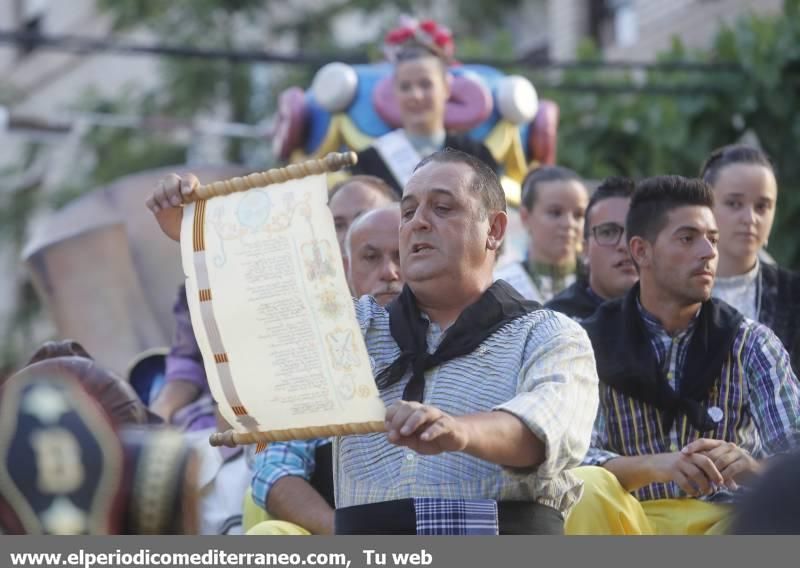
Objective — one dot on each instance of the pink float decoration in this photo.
(469, 105)
(543, 137)
(290, 121)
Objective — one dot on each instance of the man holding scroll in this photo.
(490, 398)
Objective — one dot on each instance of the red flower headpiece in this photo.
(427, 33)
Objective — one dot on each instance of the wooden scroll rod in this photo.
(330, 163)
(232, 439)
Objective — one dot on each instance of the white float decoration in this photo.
(334, 86)
(517, 100)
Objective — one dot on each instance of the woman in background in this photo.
(746, 192)
(553, 207)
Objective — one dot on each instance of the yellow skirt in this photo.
(256, 521)
(607, 509)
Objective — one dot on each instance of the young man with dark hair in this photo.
(611, 270)
(693, 395)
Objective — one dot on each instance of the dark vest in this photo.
(575, 301)
(322, 478)
(626, 360)
(780, 308)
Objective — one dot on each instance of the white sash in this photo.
(398, 154)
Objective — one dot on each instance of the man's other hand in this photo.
(733, 462)
(696, 474)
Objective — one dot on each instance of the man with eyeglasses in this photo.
(611, 271)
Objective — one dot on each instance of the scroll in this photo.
(271, 310)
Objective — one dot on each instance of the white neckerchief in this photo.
(741, 291)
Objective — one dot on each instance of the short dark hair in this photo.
(540, 175)
(655, 197)
(614, 186)
(374, 182)
(732, 154)
(485, 182)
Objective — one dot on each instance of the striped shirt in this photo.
(539, 367)
(757, 393)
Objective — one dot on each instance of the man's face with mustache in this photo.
(374, 260)
(684, 256)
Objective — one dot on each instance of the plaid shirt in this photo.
(758, 394)
(456, 517)
(539, 367)
(282, 459)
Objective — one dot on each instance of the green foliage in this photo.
(191, 86)
(18, 335)
(668, 122)
(768, 49)
(628, 132)
(498, 45)
(186, 18)
(116, 151)
(17, 205)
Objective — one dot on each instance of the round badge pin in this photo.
(715, 412)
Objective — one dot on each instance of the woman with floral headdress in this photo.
(421, 53)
